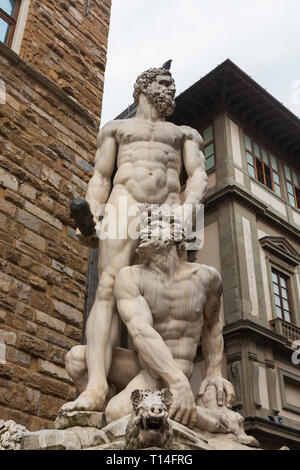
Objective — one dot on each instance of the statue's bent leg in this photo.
(103, 325)
(207, 420)
(124, 367)
(233, 422)
(237, 428)
(102, 335)
(121, 405)
(225, 419)
(209, 416)
(124, 360)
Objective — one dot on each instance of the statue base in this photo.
(82, 431)
(183, 438)
(69, 419)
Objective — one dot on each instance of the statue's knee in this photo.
(77, 353)
(69, 357)
(75, 360)
(106, 286)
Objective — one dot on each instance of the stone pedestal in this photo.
(51, 440)
(82, 431)
(69, 419)
(184, 438)
(75, 430)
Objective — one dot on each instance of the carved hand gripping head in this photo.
(149, 424)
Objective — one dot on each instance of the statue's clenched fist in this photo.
(90, 241)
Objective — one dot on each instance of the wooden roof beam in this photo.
(246, 114)
(270, 122)
(190, 111)
(262, 116)
(207, 95)
(285, 137)
(273, 134)
(245, 102)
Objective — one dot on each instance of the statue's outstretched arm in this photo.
(100, 184)
(212, 337)
(135, 312)
(194, 163)
(213, 346)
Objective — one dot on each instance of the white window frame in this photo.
(20, 26)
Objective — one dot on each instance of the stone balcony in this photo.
(288, 330)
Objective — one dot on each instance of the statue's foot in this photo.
(89, 400)
(243, 438)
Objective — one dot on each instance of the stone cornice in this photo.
(43, 81)
(249, 327)
(229, 88)
(258, 422)
(231, 191)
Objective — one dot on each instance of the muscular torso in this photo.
(149, 160)
(177, 309)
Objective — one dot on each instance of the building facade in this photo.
(52, 63)
(252, 237)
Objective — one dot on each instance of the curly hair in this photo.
(146, 78)
(152, 218)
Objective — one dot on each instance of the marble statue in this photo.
(148, 154)
(149, 424)
(166, 303)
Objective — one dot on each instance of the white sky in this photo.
(262, 37)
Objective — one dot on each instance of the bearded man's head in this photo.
(163, 96)
(159, 232)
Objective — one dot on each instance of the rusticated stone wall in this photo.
(47, 148)
(69, 47)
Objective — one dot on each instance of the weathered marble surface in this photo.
(69, 419)
(51, 440)
(183, 438)
(113, 436)
(166, 303)
(149, 154)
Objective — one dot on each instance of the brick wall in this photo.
(47, 148)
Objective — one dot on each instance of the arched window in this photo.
(9, 10)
